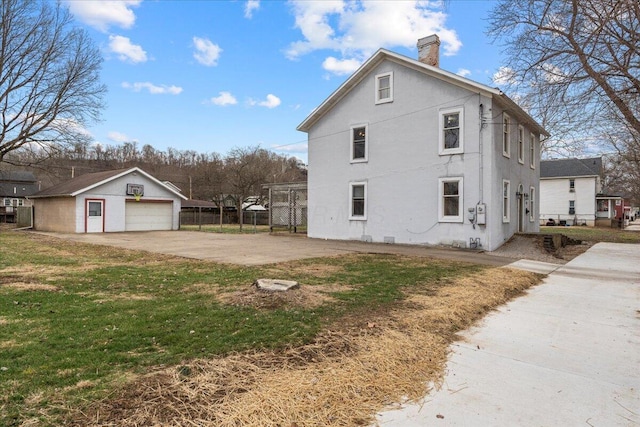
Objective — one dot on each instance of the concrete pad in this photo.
(263, 248)
(565, 354)
(534, 266)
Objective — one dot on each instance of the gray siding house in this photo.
(405, 152)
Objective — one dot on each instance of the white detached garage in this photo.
(110, 201)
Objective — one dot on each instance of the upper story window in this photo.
(359, 145)
(506, 135)
(572, 185)
(451, 131)
(520, 144)
(450, 202)
(384, 88)
(358, 200)
(506, 200)
(532, 151)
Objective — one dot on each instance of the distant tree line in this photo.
(204, 176)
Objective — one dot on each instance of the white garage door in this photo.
(141, 216)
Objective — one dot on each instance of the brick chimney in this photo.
(429, 50)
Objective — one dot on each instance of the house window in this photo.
(384, 88)
(359, 143)
(506, 202)
(358, 200)
(451, 131)
(572, 207)
(572, 185)
(532, 204)
(532, 151)
(7, 202)
(450, 200)
(506, 135)
(520, 144)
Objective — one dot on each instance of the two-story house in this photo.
(405, 152)
(15, 186)
(569, 190)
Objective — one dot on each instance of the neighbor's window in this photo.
(572, 207)
(532, 204)
(450, 200)
(7, 202)
(506, 188)
(359, 143)
(532, 151)
(451, 131)
(384, 88)
(358, 196)
(520, 144)
(506, 135)
(572, 185)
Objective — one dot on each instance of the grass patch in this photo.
(78, 321)
(595, 234)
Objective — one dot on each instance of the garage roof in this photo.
(83, 183)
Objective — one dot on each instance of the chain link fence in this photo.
(288, 206)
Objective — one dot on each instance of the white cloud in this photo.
(504, 76)
(340, 66)
(152, 89)
(358, 28)
(105, 13)
(119, 137)
(249, 7)
(271, 101)
(463, 72)
(224, 98)
(126, 50)
(207, 52)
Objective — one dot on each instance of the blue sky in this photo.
(211, 75)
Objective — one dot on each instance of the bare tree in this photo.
(576, 62)
(49, 77)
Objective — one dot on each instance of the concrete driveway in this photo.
(565, 354)
(263, 248)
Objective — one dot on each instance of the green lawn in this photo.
(596, 234)
(76, 319)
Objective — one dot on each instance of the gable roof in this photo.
(571, 167)
(86, 182)
(17, 184)
(17, 176)
(383, 54)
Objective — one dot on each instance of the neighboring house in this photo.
(110, 201)
(15, 186)
(405, 152)
(569, 190)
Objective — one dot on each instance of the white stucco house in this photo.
(405, 152)
(109, 201)
(569, 192)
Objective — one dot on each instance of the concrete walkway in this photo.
(565, 354)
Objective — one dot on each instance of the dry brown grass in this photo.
(342, 379)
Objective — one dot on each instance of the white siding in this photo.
(404, 167)
(555, 195)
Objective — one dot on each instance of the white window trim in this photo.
(390, 98)
(532, 203)
(357, 217)
(450, 218)
(532, 151)
(521, 144)
(366, 143)
(506, 123)
(460, 149)
(506, 218)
